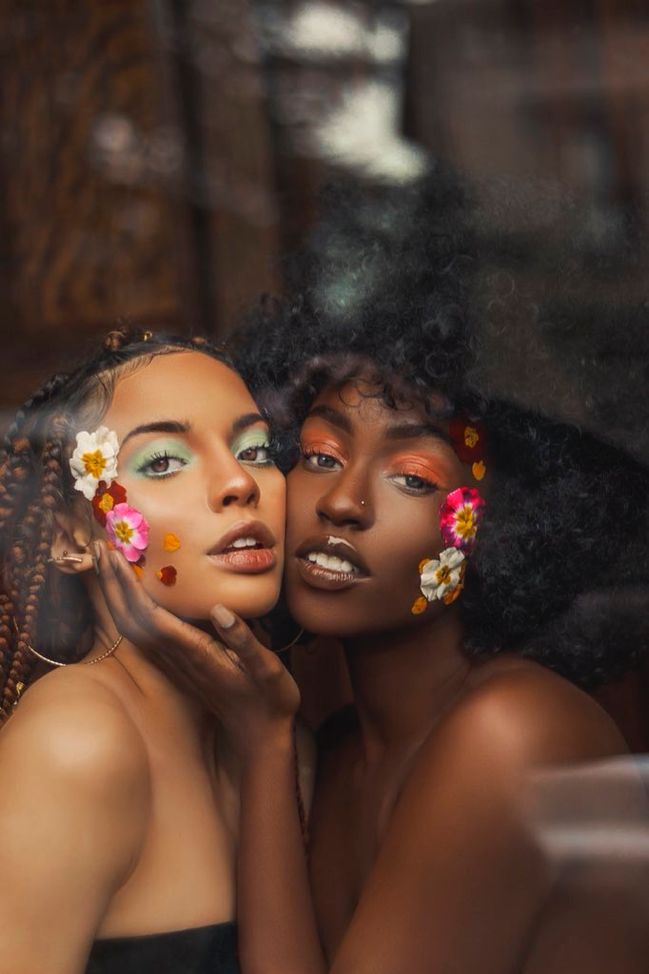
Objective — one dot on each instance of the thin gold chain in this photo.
(86, 662)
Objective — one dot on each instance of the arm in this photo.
(457, 882)
(73, 799)
(455, 887)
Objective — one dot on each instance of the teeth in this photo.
(244, 543)
(331, 562)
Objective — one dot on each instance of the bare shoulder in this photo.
(525, 717)
(76, 727)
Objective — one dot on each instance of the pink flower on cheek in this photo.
(128, 531)
(459, 518)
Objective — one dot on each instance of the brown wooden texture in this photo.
(127, 192)
(91, 230)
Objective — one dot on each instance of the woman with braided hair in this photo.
(118, 791)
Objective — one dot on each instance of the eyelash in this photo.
(426, 487)
(310, 454)
(146, 466)
(268, 460)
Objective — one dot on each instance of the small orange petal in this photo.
(452, 595)
(419, 606)
(171, 542)
(422, 564)
(478, 469)
(137, 569)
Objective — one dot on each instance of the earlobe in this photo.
(70, 551)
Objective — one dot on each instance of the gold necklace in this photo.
(86, 662)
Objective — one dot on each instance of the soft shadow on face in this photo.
(193, 461)
(365, 493)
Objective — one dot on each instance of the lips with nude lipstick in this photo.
(330, 563)
(246, 548)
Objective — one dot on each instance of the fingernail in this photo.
(223, 617)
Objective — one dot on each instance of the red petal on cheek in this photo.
(167, 575)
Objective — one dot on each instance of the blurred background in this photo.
(159, 158)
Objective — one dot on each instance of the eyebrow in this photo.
(412, 431)
(161, 426)
(248, 419)
(332, 416)
(173, 426)
(403, 431)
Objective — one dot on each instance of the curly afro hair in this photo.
(389, 285)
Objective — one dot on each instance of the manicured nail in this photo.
(223, 617)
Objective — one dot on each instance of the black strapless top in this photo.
(200, 950)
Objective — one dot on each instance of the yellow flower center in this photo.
(443, 575)
(471, 436)
(464, 523)
(106, 503)
(124, 532)
(94, 463)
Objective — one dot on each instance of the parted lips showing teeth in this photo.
(245, 534)
(334, 555)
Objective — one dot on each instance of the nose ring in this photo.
(363, 503)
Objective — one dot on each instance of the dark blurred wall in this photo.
(135, 171)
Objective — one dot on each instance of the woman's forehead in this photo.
(183, 384)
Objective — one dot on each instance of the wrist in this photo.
(276, 741)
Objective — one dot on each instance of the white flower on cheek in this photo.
(442, 577)
(94, 459)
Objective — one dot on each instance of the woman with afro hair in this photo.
(482, 566)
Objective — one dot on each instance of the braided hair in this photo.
(38, 605)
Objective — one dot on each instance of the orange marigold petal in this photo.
(479, 469)
(419, 605)
(171, 542)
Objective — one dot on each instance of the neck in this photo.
(404, 680)
(159, 690)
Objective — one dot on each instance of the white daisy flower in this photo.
(94, 459)
(441, 576)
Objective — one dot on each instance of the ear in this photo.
(71, 551)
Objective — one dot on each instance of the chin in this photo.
(249, 596)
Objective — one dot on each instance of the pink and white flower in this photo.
(460, 516)
(94, 459)
(441, 578)
(128, 531)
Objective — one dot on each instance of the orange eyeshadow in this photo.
(418, 466)
(317, 443)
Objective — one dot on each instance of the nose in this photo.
(231, 484)
(348, 501)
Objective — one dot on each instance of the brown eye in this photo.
(322, 461)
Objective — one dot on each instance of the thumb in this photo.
(259, 662)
